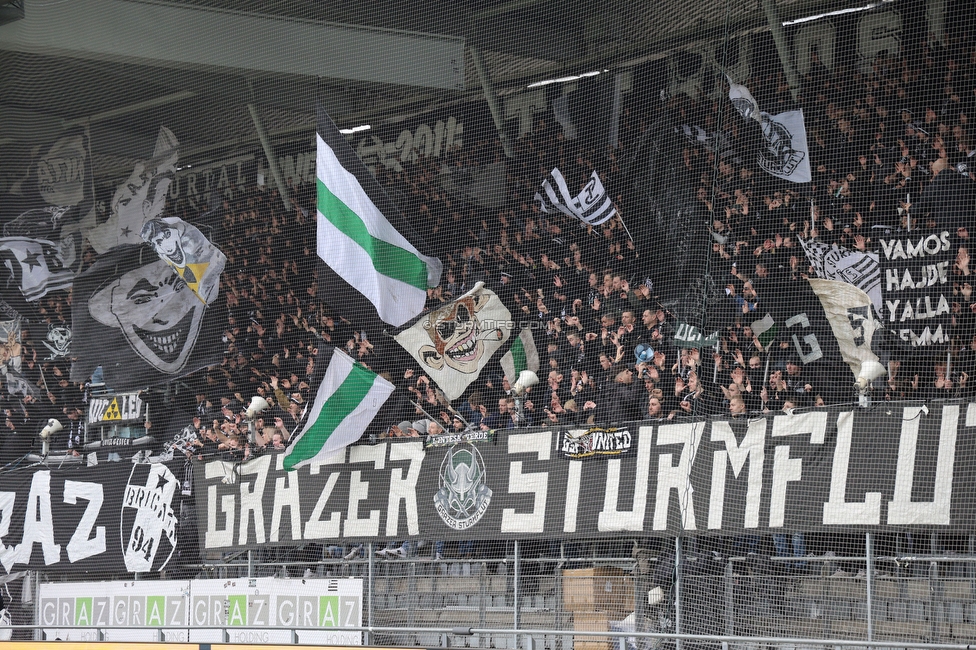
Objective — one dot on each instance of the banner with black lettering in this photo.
(916, 287)
(111, 518)
(823, 469)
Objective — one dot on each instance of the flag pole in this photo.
(626, 230)
(908, 211)
(417, 404)
(715, 364)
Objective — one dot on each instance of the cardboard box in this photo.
(607, 589)
(592, 622)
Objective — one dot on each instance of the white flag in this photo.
(786, 154)
(454, 342)
(188, 252)
(833, 262)
(36, 265)
(346, 402)
(744, 102)
(851, 316)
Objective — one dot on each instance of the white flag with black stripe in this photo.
(592, 206)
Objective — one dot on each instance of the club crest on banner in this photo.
(463, 495)
(148, 527)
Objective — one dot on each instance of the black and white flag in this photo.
(833, 262)
(141, 198)
(37, 266)
(139, 320)
(797, 318)
(786, 154)
(592, 206)
(849, 312)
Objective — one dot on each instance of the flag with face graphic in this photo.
(373, 266)
(188, 252)
(454, 342)
(139, 199)
(52, 197)
(140, 321)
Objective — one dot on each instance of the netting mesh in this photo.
(564, 317)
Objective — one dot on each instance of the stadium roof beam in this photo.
(492, 99)
(159, 33)
(130, 108)
(782, 48)
(270, 154)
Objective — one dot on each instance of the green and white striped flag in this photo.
(373, 265)
(521, 355)
(348, 399)
(765, 330)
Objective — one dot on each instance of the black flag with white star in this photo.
(37, 266)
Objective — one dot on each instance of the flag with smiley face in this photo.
(188, 252)
(141, 322)
(454, 342)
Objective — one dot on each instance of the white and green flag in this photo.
(373, 266)
(348, 399)
(521, 355)
(765, 330)
(454, 342)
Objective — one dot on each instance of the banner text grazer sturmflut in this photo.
(828, 469)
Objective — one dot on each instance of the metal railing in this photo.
(515, 601)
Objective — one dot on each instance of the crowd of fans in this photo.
(890, 150)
